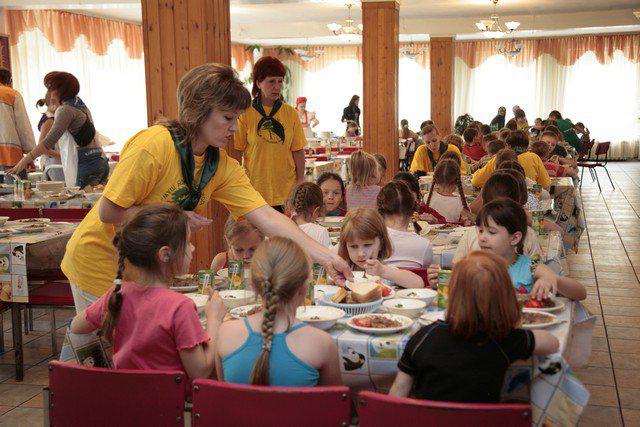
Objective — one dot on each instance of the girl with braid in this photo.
(273, 347)
(149, 325)
(306, 205)
(441, 197)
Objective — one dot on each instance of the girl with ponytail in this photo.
(442, 197)
(273, 347)
(306, 205)
(149, 325)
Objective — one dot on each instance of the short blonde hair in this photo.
(364, 223)
(364, 167)
(234, 229)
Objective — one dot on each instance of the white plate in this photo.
(431, 317)
(328, 316)
(406, 323)
(184, 289)
(224, 273)
(33, 220)
(23, 230)
(423, 294)
(240, 312)
(558, 307)
(199, 299)
(553, 320)
(319, 291)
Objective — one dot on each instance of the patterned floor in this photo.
(608, 263)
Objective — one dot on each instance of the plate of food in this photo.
(245, 310)
(233, 298)
(549, 305)
(320, 316)
(423, 294)
(6, 232)
(362, 297)
(534, 319)
(319, 291)
(199, 299)
(185, 283)
(33, 220)
(431, 317)
(379, 323)
(32, 228)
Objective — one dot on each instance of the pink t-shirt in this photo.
(154, 324)
(365, 197)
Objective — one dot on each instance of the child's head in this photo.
(243, 238)
(396, 199)
(306, 201)
(485, 130)
(411, 180)
(520, 117)
(538, 121)
(579, 127)
(156, 242)
(454, 139)
(505, 155)
(512, 125)
(364, 169)
(332, 188)
(446, 176)
(494, 146)
(364, 236)
(551, 136)
(471, 136)
(482, 298)
(502, 225)
(505, 183)
(382, 166)
(555, 115)
(513, 165)
(540, 148)
(518, 140)
(504, 133)
(279, 273)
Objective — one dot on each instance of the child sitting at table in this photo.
(473, 144)
(365, 244)
(492, 146)
(442, 197)
(557, 153)
(273, 347)
(362, 189)
(454, 139)
(551, 163)
(151, 326)
(305, 206)
(242, 239)
(332, 188)
(465, 357)
(382, 168)
(397, 204)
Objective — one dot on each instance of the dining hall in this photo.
(321, 212)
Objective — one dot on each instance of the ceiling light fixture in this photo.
(411, 52)
(510, 48)
(349, 29)
(307, 54)
(492, 28)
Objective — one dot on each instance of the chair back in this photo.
(81, 396)
(65, 215)
(585, 150)
(422, 272)
(382, 410)
(602, 149)
(225, 404)
(20, 213)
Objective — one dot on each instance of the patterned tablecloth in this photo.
(567, 210)
(30, 253)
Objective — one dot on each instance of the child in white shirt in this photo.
(306, 205)
(441, 198)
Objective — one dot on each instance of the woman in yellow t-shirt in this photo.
(181, 162)
(427, 155)
(271, 136)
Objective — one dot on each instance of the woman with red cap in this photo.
(270, 136)
(307, 118)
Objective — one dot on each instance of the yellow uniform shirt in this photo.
(421, 160)
(149, 172)
(530, 162)
(268, 160)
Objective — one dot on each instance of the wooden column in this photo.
(179, 35)
(441, 61)
(380, 56)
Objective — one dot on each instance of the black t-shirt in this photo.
(559, 150)
(453, 369)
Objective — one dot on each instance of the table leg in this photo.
(16, 327)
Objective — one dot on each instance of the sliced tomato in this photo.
(386, 291)
(534, 303)
(362, 322)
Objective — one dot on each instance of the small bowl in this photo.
(405, 306)
(3, 220)
(233, 298)
(423, 294)
(328, 316)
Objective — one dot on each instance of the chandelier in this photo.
(411, 52)
(308, 54)
(348, 29)
(510, 48)
(492, 28)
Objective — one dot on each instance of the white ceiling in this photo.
(295, 21)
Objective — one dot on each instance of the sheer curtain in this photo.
(112, 85)
(604, 96)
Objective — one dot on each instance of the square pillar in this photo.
(441, 63)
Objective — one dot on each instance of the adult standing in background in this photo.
(498, 121)
(566, 127)
(307, 118)
(270, 136)
(44, 126)
(351, 113)
(72, 115)
(16, 135)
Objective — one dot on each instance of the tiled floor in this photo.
(607, 263)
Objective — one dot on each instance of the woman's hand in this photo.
(338, 270)
(20, 166)
(215, 309)
(432, 275)
(196, 222)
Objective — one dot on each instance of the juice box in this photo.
(205, 277)
(319, 276)
(443, 288)
(537, 190)
(235, 277)
(537, 222)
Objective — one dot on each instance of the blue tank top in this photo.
(285, 368)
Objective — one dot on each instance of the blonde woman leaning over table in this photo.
(181, 162)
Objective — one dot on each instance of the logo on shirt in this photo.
(267, 133)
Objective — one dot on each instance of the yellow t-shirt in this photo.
(421, 160)
(149, 172)
(530, 162)
(268, 160)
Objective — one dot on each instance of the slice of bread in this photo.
(366, 292)
(340, 296)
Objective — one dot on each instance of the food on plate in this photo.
(333, 229)
(386, 291)
(183, 281)
(536, 303)
(33, 227)
(531, 318)
(252, 310)
(376, 321)
(366, 292)
(448, 227)
(315, 317)
(399, 306)
(412, 294)
(29, 220)
(340, 296)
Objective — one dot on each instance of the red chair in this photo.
(65, 215)
(584, 154)
(20, 213)
(602, 149)
(422, 272)
(382, 410)
(81, 396)
(225, 404)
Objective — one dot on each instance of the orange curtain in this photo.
(241, 56)
(566, 50)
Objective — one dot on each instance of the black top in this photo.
(452, 369)
(559, 151)
(352, 114)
